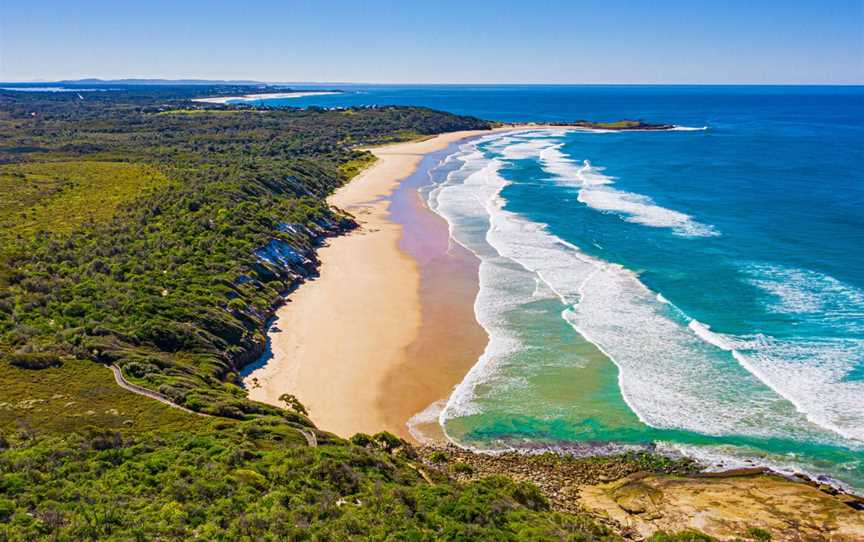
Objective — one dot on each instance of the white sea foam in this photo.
(812, 372)
(461, 200)
(718, 458)
(426, 416)
(595, 191)
(674, 372)
(689, 128)
(526, 149)
(703, 331)
(810, 294)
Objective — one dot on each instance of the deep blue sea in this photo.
(699, 290)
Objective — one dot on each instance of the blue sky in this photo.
(440, 41)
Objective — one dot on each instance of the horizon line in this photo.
(249, 82)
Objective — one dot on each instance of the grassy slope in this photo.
(79, 394)
(59, 197)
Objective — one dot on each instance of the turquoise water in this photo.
(699, 290)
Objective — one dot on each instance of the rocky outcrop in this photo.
(736, 506)
(281, 255)
(639, 494)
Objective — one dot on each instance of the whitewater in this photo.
(709, 393)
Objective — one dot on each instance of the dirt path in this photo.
(126, 385)
(310, 437)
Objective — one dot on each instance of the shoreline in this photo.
(363, 362)
(379, 371)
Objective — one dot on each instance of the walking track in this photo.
(310, 437)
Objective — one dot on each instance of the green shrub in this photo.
(759, 534)
(102, 439)
(462, 468)
(250, 478)
(227, 410)
(529, 496)
(361, 439)
(139, 369)
(7, 508)
(237, 304)
(35, 360)
(291, 402)
(195, 402)
(683, 536)
(387, 441)
(439, 456)
(338, 475)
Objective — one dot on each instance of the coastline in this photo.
(401, 297)
(380, 370)
(369, 344)
(380, 339)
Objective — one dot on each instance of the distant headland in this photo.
(618, 125)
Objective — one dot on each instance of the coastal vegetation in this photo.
(139, 238)
(623, 125)
(136, 235)
(617, 125)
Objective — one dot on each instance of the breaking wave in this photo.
(674, 371)
(595, 191)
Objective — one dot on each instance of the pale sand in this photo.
(346, 344)
(256, 97)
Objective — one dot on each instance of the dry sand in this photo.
(222, 100)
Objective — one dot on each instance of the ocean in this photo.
(698, 291)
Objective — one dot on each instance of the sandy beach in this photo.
(388, 327)
(256, 97)
(341, 340)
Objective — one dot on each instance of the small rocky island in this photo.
(618, 125)
(622, 125)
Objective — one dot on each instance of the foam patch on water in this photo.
(703, 331)
(810, 294)
(811, 370)
(688, 128)
(595, 191)
(811, 373)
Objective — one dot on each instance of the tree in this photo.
(292, 403)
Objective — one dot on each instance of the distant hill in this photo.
(97, 81)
